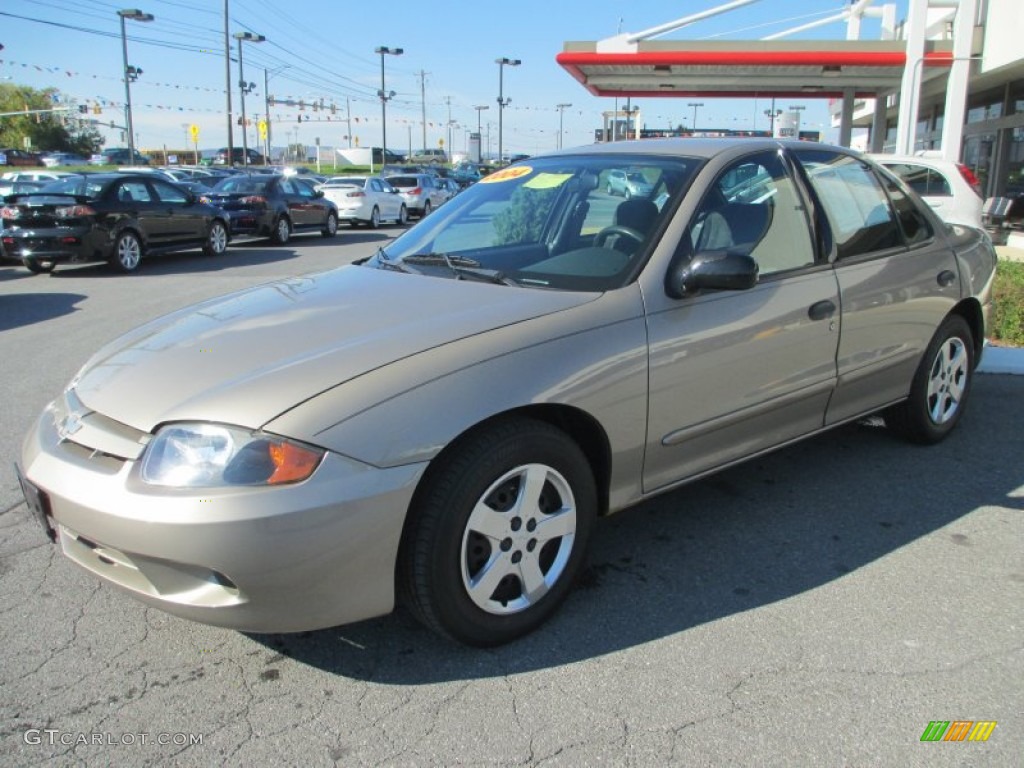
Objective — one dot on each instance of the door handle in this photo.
(946, 278)
(821, 310)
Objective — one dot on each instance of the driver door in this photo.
(735, 372)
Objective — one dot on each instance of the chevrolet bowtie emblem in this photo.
(71, 424)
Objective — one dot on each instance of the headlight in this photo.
(207, 455)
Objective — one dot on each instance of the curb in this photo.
(1002, 360)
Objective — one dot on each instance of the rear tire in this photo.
(498, 532)
(375, 218)
(331, 227)
(941, 385)
(403, 216)
(127, 252)
(216, 240)
(426, 210)
(282, 231)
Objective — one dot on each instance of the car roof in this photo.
(687, 147)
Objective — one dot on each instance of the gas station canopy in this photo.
(747, 68)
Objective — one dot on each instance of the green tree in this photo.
(49, 132)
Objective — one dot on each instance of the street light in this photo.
(502, 101)
(695, 105)
(385, 96)
(244, 88)
(561, 111)
(131, 74)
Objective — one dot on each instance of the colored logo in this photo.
(958, 730)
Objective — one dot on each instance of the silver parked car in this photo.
(443, 422)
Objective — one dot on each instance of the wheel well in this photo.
(970, 311)
(578, 425)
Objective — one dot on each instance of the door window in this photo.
(857, 208)
(754, 209)
(924, 181)
(168, 193)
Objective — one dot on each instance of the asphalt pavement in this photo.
(820, 606)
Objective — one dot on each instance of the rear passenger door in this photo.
(897, 280)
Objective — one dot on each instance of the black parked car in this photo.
(274, 206)
(113, 217)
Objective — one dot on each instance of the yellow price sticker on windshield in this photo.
(507, 174)
(547, 180)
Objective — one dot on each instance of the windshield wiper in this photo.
(386, 262)
(462, 267)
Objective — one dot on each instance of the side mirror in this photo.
(318, 193)
(711, 270)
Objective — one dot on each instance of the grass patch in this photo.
(1008, 304)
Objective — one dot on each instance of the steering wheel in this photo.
(617, 229)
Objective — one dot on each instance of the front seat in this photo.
(637, 214)
(736, 227)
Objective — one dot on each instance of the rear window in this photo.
(921, 179)
(403, 181)
(242, 186)
(76, 185)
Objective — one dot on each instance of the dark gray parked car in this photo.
(443, 423)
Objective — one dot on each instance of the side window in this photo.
(754, 209)
(375, 185)
(133, 192)
(924, 181)
(913, 223)
(286, 187)
(302, 189)
(168, 193)
(857, 208)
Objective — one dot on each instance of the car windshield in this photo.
(550, 223)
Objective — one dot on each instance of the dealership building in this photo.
(949, 78)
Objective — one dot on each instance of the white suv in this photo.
(949, 188)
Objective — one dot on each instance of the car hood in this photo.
(246, 358)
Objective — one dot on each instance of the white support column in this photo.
(878, 124)
(956, 87)
(910, 88)
(846, 118)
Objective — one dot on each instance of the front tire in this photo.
(127, 252)
(941, 385)
(498, 532)
(282, 231)
(216, 240)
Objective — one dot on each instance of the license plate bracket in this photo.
(38, 504)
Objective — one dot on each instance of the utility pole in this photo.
(348, 119)
(423, 105)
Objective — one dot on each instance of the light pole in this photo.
(561, 111)
(244, 88)
(502, 101)
(131, 74)
(385, 96)
(695, 105)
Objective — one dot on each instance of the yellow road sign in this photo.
(194, 131)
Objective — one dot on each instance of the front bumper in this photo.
(306, 556)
